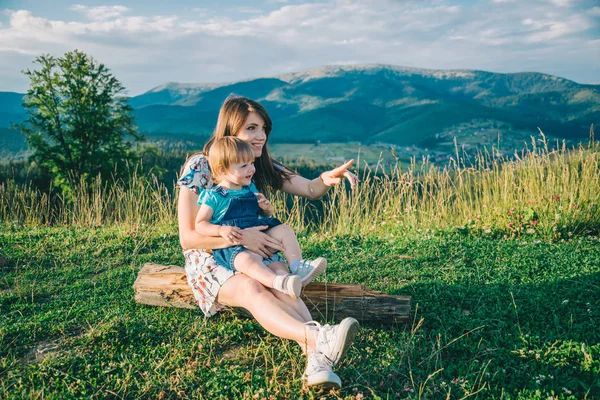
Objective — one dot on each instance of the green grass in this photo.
(491, 318)
(501, 258)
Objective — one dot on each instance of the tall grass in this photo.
(541, 191)
(139, 200)
(545, 192)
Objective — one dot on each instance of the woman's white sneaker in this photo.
(318, 372)
(334, 341)
(308, 270)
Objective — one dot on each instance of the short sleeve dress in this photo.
(204, 275)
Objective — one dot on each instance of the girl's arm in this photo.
(317, 188)
(187, 210)
(203, 226)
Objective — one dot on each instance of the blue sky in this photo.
(148, 43)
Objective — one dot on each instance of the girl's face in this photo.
(253, 133)
(240, 174)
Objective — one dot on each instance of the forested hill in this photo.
(376, 103)
(11, 110)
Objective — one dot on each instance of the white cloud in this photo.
(528, 21)
(23, 24)
(348, 62)
(561, 3)
(547, 30)
(208, 45)
(13, 49)
(247, 10)
(594, 11)
(101, 13)
(439, 9)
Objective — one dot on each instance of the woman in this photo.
(215, 286)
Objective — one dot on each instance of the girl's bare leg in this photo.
(307, 270)
(287, 236)
(251, 264)
(270, 312)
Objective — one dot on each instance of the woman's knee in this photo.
(240, 290)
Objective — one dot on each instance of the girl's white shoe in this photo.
(308, 270)
(288, 284)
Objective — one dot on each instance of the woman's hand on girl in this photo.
(336, 175)
(259, 242)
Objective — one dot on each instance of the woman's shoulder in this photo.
(196, 162)
(196, 174)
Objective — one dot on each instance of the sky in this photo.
(147, 43)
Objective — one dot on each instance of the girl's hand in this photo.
(231, 233)
(265, 204)
(260, 243)
(336, 175)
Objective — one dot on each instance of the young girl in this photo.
(235, 204)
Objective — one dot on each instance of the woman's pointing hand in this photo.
(335, 176)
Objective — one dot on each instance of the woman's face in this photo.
(253, 133)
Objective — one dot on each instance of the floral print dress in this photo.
(204, 275)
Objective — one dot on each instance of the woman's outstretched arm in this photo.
(317, 188)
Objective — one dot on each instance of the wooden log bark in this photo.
(166, 286)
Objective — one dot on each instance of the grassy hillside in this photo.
(501, 258)
(375, 103)
(501, 318)
(11, 142)
(403, 105)
(11, 111)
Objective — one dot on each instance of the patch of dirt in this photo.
(232, 353)
(6, 264)
(41, 350)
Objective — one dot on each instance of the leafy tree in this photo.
(78, 118)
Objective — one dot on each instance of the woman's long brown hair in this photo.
(232, 116)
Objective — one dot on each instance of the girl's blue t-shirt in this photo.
(219, 203)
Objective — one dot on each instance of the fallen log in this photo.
(166, 286)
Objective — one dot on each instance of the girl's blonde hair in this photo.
(226, 151)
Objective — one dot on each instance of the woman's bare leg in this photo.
(287, 236)
(296, 304)
(270, 312)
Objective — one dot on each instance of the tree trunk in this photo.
(166, 286)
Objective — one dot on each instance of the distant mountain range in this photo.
(372, 103)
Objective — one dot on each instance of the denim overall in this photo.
(242, 212)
